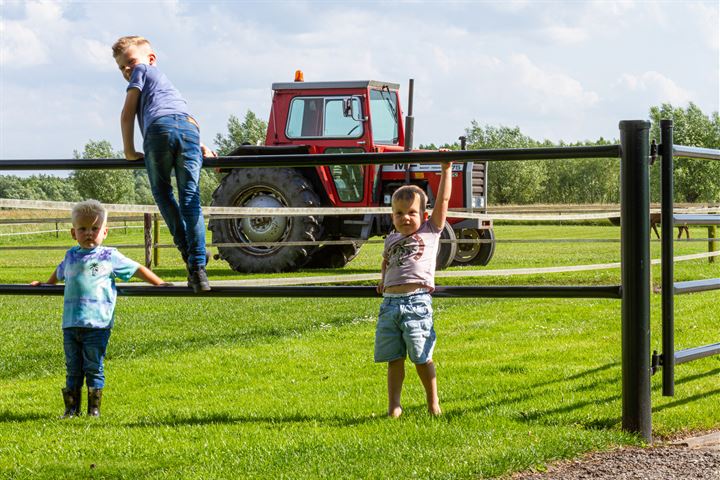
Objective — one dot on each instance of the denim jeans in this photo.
(84, 356)
(173, 142)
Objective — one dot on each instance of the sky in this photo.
(567, 70)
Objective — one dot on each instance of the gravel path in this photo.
(689, 459)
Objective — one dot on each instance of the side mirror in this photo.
(348, 108)
(351, 109)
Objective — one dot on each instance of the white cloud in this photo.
(549, 91)
(94, 53)
(708, 22)
(44, 11)
(512, 6)
(30, 41)
(565, 34)
(657, 86)
(20, 47)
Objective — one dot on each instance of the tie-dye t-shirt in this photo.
(90, 293)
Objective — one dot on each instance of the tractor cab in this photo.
(339, 117)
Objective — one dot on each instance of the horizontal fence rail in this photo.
(604, 291)
(316, 160)
(696, 152)
(61, 220)
(708, 219)
(696, 353)
(237, 212)
(693, 286)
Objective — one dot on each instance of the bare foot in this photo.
(395, 412)
(434, 410)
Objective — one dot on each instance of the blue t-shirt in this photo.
(158, 97)
(90, 292)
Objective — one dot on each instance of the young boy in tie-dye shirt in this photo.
(89, 271)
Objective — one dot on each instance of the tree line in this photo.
(543, 181)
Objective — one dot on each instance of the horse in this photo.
(655, 220)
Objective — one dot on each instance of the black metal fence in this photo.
(669, 357)
(634, 291)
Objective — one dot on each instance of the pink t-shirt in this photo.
(411, 259)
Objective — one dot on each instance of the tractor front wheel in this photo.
(446, 250)
(478, 253)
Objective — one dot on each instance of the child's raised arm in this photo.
(442, 200)
(148, 275)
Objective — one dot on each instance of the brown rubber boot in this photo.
(72, 402)
(94, 398)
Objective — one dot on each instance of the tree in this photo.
(251, 131)
(509, 182)
(695, 180)
(107, 186)
(143, 192)
(584, 180)
(38, 187)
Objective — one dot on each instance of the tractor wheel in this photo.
(333, 256)
(474, 253)
(446, 251)
(266, 188)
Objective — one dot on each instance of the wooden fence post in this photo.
(712, 235)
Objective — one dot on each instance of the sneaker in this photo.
(198, 280)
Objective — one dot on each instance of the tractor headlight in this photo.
(478, 202)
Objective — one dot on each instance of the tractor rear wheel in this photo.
(268, 188)
(475, 253)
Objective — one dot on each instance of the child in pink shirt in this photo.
(405, 322)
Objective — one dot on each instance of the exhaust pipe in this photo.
(409, 119)
(409, 126)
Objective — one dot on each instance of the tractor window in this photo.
(383, 110)
(318, 117)
(305, 118)
(349, 179)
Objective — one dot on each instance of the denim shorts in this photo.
(405, 328)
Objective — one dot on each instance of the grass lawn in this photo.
(286, 388)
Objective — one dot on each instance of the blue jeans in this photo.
(173, 142)
(84, 355)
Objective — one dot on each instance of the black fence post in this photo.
(635, 258)
(147, 237)
(668, 267)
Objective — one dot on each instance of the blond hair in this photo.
(408, 193)
(123, 43)
(89, 209)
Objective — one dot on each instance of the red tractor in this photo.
(337, 117)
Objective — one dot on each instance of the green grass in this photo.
(286, 388)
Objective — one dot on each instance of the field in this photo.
(286, 388)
